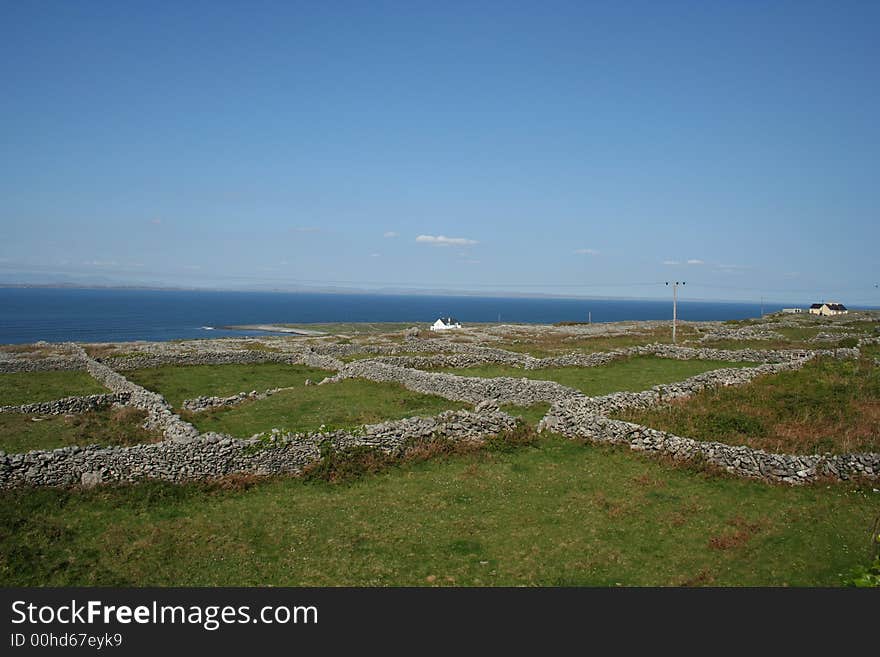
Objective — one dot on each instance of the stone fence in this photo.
(504, 390)
(477, 356)
(199, 404)
(9, 364)
(215, 455)
(159, 413)
(574, 422)
(213, 357)
(83, 404)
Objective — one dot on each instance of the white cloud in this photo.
(374, 255)
(696, 261)
(671, 262)
(391, 233)
(101, 263)
(442, 240)
(586, 252)
(156, 221)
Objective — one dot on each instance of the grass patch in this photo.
(176, 382)
(109, 426)
(630, 374)
(349, 403)
(557, 513)
(29, 387)
(827, 406)
(530, 414)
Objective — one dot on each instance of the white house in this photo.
(792, 311)
(831, 308)
(445, 324)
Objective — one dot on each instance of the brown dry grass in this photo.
(740, 533)
(828, 406)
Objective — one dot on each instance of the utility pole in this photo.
(590, 315)
(674, 305)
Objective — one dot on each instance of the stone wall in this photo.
(741, 333)
(586, 418)
(199, 404)
(212, 357)
(214, 455)
(474, 356)
(504, 390)
(159, 414)
(66, 405)
(738, 460)
(9, 364)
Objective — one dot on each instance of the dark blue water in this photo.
(56, 315)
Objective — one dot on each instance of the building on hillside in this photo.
(827, 309)
(792, 311)
(445, 324)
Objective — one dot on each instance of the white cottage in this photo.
(828, 309)
(445, 324)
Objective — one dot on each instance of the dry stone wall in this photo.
(306, 357)
(738, 460)
(504, 390)
(159, 413)
(82, 404)
(215, 455)
(199, 404)
(184, 454)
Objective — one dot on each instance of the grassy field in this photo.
(633, 374)
(828, 406)
(352, 402)
(122, 426)
(557, 513)
(28, 387)
(177, 383)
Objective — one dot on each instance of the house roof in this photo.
(836, 306)
(448, 320)
(817, 305)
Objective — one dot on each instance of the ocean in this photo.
(99, 315)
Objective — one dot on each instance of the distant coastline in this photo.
(383, 291)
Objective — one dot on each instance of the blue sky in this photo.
(570, 148)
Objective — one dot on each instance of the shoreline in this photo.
(275, 328)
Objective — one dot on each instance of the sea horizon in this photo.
(60, 314)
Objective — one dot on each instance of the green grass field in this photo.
(178, 383)
(22, 433)
(632, 374)
(828, 406)
(352, 402)
(29, 387)
(558, 513)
